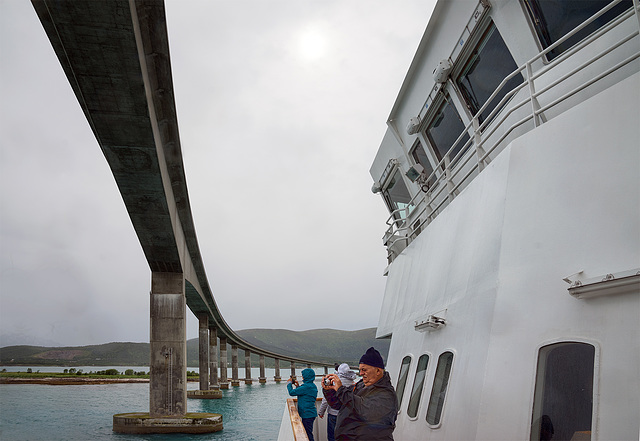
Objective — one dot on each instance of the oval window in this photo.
(402, 378)
(418, 384)
(439, 391)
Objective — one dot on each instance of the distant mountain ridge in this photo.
(329, 345)
(324, 345)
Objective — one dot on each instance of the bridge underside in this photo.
(96, 45)
(115, 55)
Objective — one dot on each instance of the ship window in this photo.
(420, 156)
(445, 128)
(553, 19)
(397, 196)
(488, 64)
(418, 384)
(439, 391)
(563, 399)
(402, 378)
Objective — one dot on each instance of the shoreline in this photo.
(70, 381)
(53, 381)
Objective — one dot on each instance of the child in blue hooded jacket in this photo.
(306, 394)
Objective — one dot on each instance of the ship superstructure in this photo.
(511, 170)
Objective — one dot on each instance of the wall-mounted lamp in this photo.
(375, 188)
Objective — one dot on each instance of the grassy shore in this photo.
(59, 378)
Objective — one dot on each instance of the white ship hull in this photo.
(561, 199)
(483, 277)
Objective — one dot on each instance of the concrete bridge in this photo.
(115, 55)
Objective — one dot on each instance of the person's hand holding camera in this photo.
(331, 381)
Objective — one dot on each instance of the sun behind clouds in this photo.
(313, 43)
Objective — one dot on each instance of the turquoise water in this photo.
(33, 412)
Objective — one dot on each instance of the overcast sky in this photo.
(281, 108)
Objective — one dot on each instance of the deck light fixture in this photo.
(430, 324)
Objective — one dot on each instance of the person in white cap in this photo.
(347, 377)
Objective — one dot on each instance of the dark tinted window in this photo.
(418, 384)
(553, 19)
(444, 129)
(397, 196)
(563, 402)
(488, 64)
(439, 391)
(420, 156)
(402, 378)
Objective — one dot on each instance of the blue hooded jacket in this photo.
(306, 393)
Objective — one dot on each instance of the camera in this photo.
(328, 382)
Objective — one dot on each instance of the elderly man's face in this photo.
(370, 375)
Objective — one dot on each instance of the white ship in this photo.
(511, 170)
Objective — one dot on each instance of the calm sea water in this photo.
(33, 412)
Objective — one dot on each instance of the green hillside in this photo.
(109, 354)
(325, 345)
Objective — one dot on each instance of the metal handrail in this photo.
(402, 229)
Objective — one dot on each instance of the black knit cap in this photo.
(372, 358)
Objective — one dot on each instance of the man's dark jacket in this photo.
(365, 413)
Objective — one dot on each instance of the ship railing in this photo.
(291, 428)
(507, 121)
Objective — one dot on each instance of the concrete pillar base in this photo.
(235, 383)
(277, 379)
(141, 422)
(224, 385)
(262, 380)
(248, 381)
(211, 393)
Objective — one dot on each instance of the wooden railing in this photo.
(299, 434)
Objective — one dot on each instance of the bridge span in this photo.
(115, 55)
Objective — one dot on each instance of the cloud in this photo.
(276, 148)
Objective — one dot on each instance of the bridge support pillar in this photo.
(277, 377)
(234, 366)
(213, 358)
(168, 361)
(293, 370)
(224, 382)
(263, 378)
(203, 350)
(203, 362)
(247, 367)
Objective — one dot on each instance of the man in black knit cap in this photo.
(367, 410)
